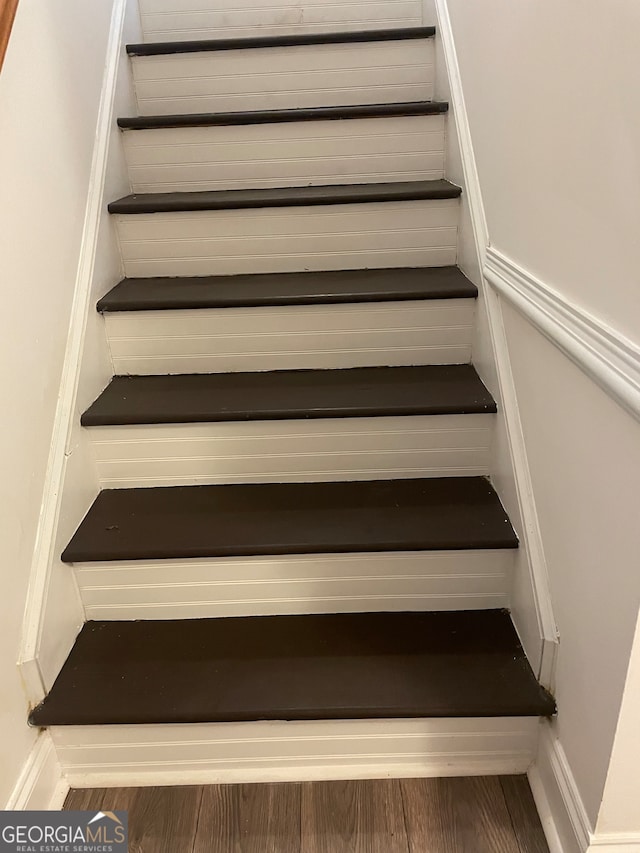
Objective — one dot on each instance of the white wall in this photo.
(50, 88)
(549, 90)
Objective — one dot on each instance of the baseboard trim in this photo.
(562, 812)
(41, 785)
(598, 349)
(44, 553)
(615, 843)
(293, 751)
(538, 631)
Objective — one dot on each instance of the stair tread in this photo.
(330, 666)
(292, 518)
(293, 288)
(348, 111)
(284, 197)
(276, 395)
(291, 40)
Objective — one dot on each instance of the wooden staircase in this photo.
(297, 537)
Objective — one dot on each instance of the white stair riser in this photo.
(353, 151)
(291, 337)
(170, 20)
(290, 239)
(296, 584)
(207, 753)
(292, 450)
(321, 75)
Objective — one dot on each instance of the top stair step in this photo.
(170, 47)
(284, 197)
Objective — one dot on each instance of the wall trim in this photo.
(209, 753)
(531, 537)
(41, 784)
(555, 791)
(562, 812)
(598, 349)
(615, 843)
(44, 549)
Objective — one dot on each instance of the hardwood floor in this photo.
(462, 815)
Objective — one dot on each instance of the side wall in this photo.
(50, 100)
(549, 91)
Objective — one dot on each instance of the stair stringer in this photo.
(54, 612)
(531, 606)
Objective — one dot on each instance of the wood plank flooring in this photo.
(461, 815)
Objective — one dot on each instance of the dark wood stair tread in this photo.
(284, 197)
(348, 111)
(293, 288)
(164, 48)
(292, 518)
(310, 667)
(287, 394)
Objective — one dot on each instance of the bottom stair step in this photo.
(318, 667)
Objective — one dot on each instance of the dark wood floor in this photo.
(467, 815)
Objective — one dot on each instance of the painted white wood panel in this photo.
(170, 20)
(356, 151)
(315, 583)
(292, 450)
(322, 237)
(283, 77)
(302, 337)
(293, 751)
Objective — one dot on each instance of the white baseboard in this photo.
(48, 582)
(562, 812)
(53, 611)
(615, 843)
(97, 756)
(598, 349)
(531, 602)
(41, 785)
(564, 818)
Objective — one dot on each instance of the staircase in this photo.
(294, 439)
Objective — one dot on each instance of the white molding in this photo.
(541, 640)
(623, 842)
(41, 785)
(564, 818)
(44, 550)
(208, 753)
(555, 791)
(598, 349)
